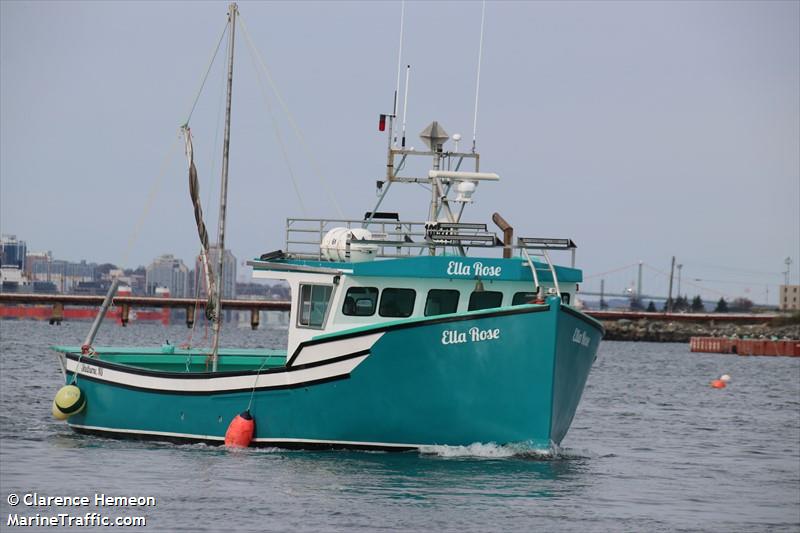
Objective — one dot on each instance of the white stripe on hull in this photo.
(335, 348)
(258, 440)
(213, 384)
(148, 432)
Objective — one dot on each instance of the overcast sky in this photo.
(641, 130)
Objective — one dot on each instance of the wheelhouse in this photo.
(328, 296)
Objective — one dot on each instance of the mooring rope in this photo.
(255, 382)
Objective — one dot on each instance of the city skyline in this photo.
(640, 130)
(613, 290)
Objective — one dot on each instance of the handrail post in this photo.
(533, 270)
(552, 272)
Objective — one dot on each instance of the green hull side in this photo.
(576, 350)
(411, 390)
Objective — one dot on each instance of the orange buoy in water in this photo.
(718, 384)
(241, 431)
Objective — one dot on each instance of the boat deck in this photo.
(175, 359)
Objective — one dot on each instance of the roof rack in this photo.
(538, 243)
(399, 238)
(381, 215)
(460, 234)
(544, 244)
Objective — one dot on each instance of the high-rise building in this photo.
(12, 252)
(64, 275)
(168, 272)
(228, 272)
(33, 260)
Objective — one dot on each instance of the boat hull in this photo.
(512, 375)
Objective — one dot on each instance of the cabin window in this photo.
(521, 298)
(565, 297)
(397, 303)
(441, 301)
(314, 300)
(360, 301)
(485, 300)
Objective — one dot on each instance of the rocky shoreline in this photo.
(645, 330)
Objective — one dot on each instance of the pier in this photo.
(57, 304)
(620, 325)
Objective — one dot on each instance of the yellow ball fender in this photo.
(69, 400)
(57, 414)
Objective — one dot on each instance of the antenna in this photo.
(405, 105)
(399, 63)
(478, 81)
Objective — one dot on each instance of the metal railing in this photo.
(395, 238)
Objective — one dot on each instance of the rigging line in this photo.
(276, 128)
(151, 196)
(478, 79)
(213, 171)
(295, 128)
(205, 77)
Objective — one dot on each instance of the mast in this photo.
(232, 9)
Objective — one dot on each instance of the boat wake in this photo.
(491, 450)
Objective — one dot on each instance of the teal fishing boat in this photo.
(402, 334)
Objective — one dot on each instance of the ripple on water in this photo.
(652, 448)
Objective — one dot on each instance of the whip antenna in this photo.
(399, 63)
(478, 81)
(405, 105)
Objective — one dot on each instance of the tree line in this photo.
(682, 304)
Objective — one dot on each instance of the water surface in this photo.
(652, 448)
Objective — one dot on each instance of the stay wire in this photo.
(276, 128)
(290, 117)
(208, 70)
(151, 196)
(212, 184)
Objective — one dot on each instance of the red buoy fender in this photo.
(240, 431)
(718, 384)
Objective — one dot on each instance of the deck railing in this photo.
(398, 238)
